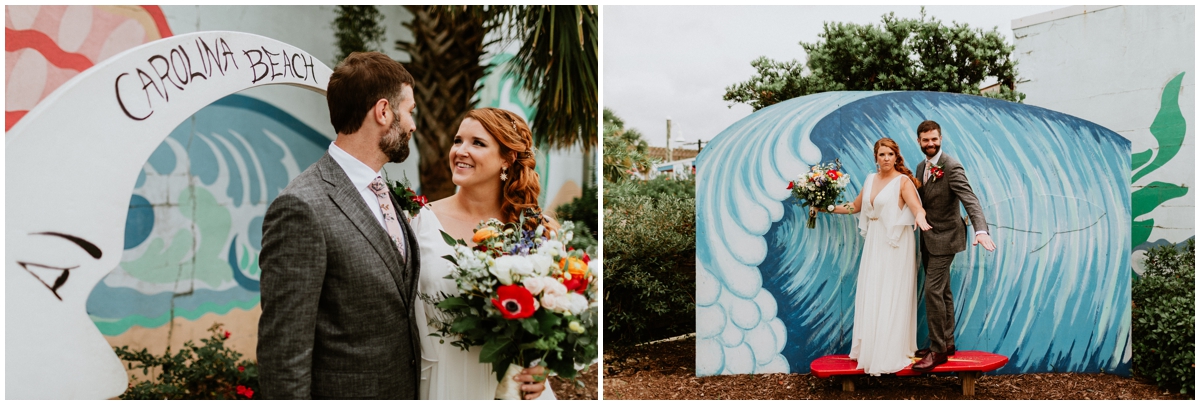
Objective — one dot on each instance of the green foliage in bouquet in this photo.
(209, 371)
(1164, 318)
(497, 306)
(650, 265)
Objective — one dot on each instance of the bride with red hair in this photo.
(492, 163)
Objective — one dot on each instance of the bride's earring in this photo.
(504, 174)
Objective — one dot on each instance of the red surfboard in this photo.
(962, 360)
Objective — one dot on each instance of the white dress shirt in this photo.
(361, 176)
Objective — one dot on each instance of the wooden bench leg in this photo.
(968, 382)
(847, 383)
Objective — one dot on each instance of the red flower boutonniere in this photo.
(937, 171)
(409, 201)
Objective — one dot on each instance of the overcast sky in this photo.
(675, 61)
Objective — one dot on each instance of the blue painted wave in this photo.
(1055, 190)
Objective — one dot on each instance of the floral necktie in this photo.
(389, 214)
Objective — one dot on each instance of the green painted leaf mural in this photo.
(1146, 199)
(1168, 128)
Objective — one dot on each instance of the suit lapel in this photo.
(348, 199)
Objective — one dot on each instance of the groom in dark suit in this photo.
(943, 187)
(339, 266)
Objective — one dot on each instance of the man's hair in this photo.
(927, 126)
(358, 82)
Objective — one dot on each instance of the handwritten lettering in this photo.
(172, 67)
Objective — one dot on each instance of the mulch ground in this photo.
(565, 389)
(667, 371)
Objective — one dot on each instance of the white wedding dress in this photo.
(885, 302)
(447, 372)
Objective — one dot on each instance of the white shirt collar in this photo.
(359, 173)
(933, 160)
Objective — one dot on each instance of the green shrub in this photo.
(1164, 318)
(649, 267)
(210, 371)
(660, 187)
(582, 210)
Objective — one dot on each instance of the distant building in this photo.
(682, 167)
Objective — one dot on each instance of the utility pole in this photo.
(669, 159)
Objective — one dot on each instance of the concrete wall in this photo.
(1131, 69)
(193, 229)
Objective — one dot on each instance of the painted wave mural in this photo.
(772, 295)
(194, 228)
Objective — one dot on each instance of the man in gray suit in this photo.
(339, 267)
(943, 187)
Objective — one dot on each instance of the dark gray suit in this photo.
(337, 298)
(941, 199)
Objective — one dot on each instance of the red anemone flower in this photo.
(832, 174)
(515, 302)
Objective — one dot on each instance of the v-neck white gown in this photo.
(885, 301)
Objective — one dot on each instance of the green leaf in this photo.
(453, 304)
(464, 324)
(453, 260)
(530, 324)
(494, 350)
(548, 321)
(449, 239)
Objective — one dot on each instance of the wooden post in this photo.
(847, 383)
(968, 382)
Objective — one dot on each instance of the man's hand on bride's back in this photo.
(533, 381)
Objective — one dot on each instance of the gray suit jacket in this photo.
(941, 198)
(337, 300)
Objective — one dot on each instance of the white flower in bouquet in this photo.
(517, 265)
(502, 269)
(542, 263)
(577, 303)
(534, 285)
(552, 248)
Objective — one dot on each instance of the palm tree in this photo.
(557, 62)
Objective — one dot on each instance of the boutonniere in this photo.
(407, 199)
(936, 171)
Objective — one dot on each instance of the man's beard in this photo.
(395, 143)
(934, 148)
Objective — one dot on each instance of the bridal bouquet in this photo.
(820, 186)
(523, 296)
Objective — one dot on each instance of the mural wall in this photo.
(772, 295)
(1130, 69)
(193, 220)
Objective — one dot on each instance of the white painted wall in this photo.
(1108, 65)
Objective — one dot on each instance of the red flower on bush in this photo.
(227, 334)
(515, 302)
(246, 392)
(791, 184)
(241, 369)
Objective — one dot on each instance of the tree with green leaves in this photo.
(357, 29)
(624, 149)
(557, 62)
(898, 54)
